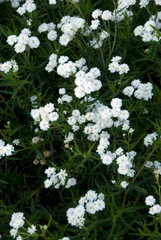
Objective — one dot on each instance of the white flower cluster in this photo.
(17, 221)
(90, 203)
(118, 14)
(150, 201)
(125, 164)
(67, 68)
(52, 63)
(115, 66)
(75, 118)
(7, 66)
(122, 10)
(58, 179)
(150, 138)
(140, 90)
(104, 117)
(14, 3)
(156, 166)
(86, 83)
(65, 97)
(69, 26)
(104, 15)
(50, 28)
(23, 40)
(5, 150)
(44, 115)
(29, 6)
(147, 32)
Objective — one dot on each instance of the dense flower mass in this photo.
(80, 119)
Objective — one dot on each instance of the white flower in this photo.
(90, 207)
(124, 184)
(96, 13)
(52, 35)
(31, 230)
(139, 30)
(71, 182)
(48, 183)
(128, 91)
(8, 149)
(136, 83)
(12, 39)
(143, 3)
(91, 195)
(19, 47)
(106, 15)
(123, 68)
(33, 42)
(155, 209)
(16, 142)
(150, 200)
(64, 39)
(19, 238)
(95, 24)
(50, 171)
(62, 91)
(150, 138)
(17, 220)
(113, 67)
(44, 125)
(116, 59)
(13, 232)
(52, 2)
(43, 28)
(99, 205)
(116, 103)
(158, 2)
(113, 181)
